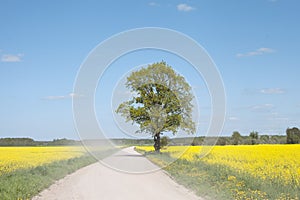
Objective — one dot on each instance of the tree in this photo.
(17, 142)
(236, 137)
(221, 141)
(164, 141)
(264, 139)
(254, 137)
(162, 102)
(293, 136)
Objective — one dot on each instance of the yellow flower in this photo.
(14, 158)
(231, 178)
(278, 163)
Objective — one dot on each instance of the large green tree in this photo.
(236, 138)
(254, 137)
(162, 101)
(293, 136)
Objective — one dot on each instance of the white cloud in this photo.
(11, 58)
(265, 50)
(184, 7)
(153, 4)
(54, 97)
(272, 91)
(233, 119)
(262, 108)
(248, 91)
(274, 113)
(71, 95)
(260, 51)
(279, 119)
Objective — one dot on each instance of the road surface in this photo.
(99, 182)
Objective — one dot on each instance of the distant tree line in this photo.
(31, 142)
(238, 139)
(17, 142)
(252, 139)
(292, 137)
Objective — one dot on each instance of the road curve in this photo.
(99, 182)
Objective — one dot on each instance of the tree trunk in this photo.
(157, 142)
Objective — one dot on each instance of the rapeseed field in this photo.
(247, 171)
(16, 158)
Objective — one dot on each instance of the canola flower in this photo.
(14, 158)
(277, 163)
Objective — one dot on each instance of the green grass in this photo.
(220, 182)
(24, 184)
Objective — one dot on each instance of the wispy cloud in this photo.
(185, 8)
(233, 118)
(11, 58)
(153, 4)
(262, 108)
(249, 91)
(71, 95)
(274, 114)
(279, 119)
(260, 51)
(272, 91)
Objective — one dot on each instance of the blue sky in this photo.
(254, 43)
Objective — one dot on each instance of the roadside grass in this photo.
(212, 181)
(24, 184)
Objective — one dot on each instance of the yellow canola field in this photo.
(14, 158)
(279, 163)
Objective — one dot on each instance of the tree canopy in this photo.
(162, 101)
(293, 136)
(236, 137)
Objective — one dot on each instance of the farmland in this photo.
(235, 172)
(16, 158)
(25, 171)
(227, 172)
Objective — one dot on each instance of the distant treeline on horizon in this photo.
(31, 142)
(292, 137)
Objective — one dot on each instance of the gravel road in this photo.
(99, 182)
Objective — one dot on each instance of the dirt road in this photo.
(99, 182)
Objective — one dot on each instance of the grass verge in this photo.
(220, 182)
(25, 184)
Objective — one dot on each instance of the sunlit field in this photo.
(279, 163)
(249, 171)
(14, 158)
(26, 171)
